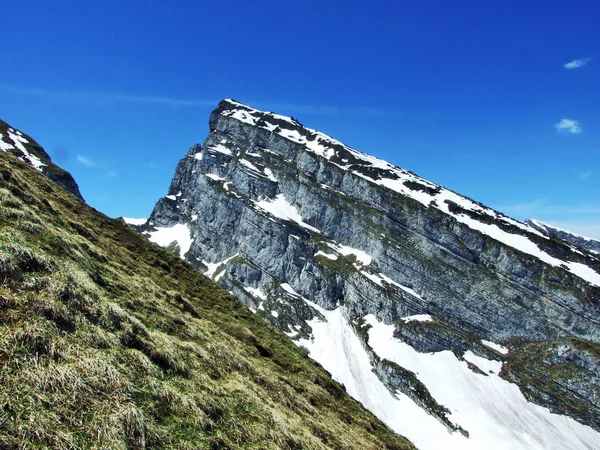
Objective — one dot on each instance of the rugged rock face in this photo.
(398, 286)
(30, 151)
(589, 244)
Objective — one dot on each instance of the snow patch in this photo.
(219, 148)
(256, 292)
(214, 176)
(281, 208)
(4, 146)
(499, 348)
(213, 268)
(180, 233)
(492, 410)
(362, 257)
(326, 255)
(133, 221)
(417, 318)
(269, 173)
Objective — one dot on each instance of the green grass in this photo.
(108, 341)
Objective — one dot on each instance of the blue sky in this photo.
(496, 100)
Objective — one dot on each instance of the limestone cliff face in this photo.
(292, 221)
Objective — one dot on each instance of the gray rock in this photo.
(425, 258)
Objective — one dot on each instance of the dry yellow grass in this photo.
(108, 341)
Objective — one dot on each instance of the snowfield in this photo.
(180, 233)
(492, 410)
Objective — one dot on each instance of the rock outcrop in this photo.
(324, 241)
(28, 150)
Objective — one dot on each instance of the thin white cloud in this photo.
(542, 207)
(584, 175)
(103, 98)
(577, 63)
(85, 161)
(107, 98)
(569, 126)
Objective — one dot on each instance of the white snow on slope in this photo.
(4, 146)
(133, 221)
(492, 410)
(214, 177)
(281, 208)
(499, 348)
(256, 292)
(179, 233)
(544, 225)
(394, 178)
(337, 348)
(18, 141)
(216, 270)
(219, 148)
(362, 257)
(417, 318)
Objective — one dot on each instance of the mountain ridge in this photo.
(314, 236)
(587, 243)
(28, 150)
(109, 341)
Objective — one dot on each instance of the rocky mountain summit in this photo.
(586, 243)
(456, 325)
(28, 150)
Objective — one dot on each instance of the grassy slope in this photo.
(108, 341)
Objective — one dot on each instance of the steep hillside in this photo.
(28, 150)
(427, 305)
(108, 341)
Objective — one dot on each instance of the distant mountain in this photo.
(28, 150)
(109, 341)
(585, 243)
(450, 321)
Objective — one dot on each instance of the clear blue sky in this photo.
(473, 95)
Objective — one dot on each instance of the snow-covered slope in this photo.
(494, 413)
(407, 292)
(586, 243)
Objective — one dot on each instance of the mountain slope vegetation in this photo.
(108, 341)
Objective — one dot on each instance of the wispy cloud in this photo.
(581, 218)
(87, 162)
(110, 98)
(104, 169)
(104, 98)
(577, 63)
(543, 207)
(569, 126)
(584, 175)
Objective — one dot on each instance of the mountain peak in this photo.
(391, 281)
